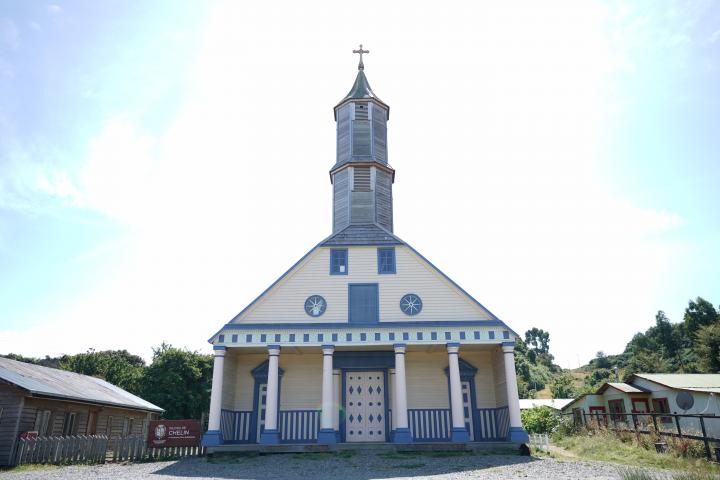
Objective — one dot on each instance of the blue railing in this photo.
(430, 424)
(235, 426)
(299, 426)
(493, 424)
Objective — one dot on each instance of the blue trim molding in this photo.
(270, 437)
(459, 435)
(327, 436)
(518, 435)
(402, 435)
(212, 438)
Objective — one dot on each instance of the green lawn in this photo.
(608, 447)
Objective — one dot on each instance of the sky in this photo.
(162, 163)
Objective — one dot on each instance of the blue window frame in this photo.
(363, 303)
(338, 261)
(386, 260)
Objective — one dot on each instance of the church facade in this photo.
(363, 339)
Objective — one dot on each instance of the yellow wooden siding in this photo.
(484, 378)
(499, 374)
(426, 380)
(301, 387)
(441, 300)
(239, 383)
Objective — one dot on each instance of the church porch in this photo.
(449, 395)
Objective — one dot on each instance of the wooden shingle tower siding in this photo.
(362, 179)
(363, 339)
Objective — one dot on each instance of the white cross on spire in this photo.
(361, 66)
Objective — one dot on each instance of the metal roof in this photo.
(701, 382)
(366, 234)
(361, 91)
(556, 403)
(623, 387)
(54, 383)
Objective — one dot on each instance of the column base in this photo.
(459, 435)
(518, 435)
(402, 435)
(212, 438)
(270, 437)
(327, 436)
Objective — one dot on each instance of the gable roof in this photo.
(60, 384)
(371, 234)
(700, 382)
(623, 387)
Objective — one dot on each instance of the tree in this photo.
(562, 386)
(598, 377)
(179, 381)
(538, 339)
(707, 348)
(540, 419)
(118, 367)
(698, 314)
(601, 360)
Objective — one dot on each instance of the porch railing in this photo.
(235, 426)
(299, 426)
(430, 424)
(435, 424)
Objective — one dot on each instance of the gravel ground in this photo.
(359, 466)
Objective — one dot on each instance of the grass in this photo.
(605, 446)
(35, 467)
(637, 474)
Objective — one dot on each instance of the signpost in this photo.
(174, 433)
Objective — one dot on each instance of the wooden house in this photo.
(363, 339)
(52, 402)
(681, 393)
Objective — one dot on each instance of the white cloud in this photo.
(497, 134)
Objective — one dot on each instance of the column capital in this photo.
(399, 347)
(328, 349)
(508, 348)
(453, 347)
(273, 349)
(219, 351)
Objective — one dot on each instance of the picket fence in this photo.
(95, 449)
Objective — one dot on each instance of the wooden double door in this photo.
(365, 406)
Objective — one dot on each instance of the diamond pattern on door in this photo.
(364, 407)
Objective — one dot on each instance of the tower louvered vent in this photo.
(361, 179)
(361, 111)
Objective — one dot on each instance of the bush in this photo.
(540, 420)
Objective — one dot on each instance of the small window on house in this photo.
(386, 260)
(338, 261)
(69, 423)
(42, 422)
(661, 405)
(108, 428)
(361, 179)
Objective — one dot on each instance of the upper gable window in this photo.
(386, 260)
(338, 261)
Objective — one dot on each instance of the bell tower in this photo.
(361, 177)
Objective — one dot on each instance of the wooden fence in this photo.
(693, 426)
(95, 449)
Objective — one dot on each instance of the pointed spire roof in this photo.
(361, 88)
